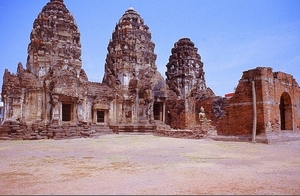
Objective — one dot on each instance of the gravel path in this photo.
(146, 164)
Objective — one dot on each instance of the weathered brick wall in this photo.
(285, 84)
(182, 113)
(269, 88)
(277, 85)
(213, 107)
(175, 113)
(12, 130)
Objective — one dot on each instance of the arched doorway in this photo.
(286, 113)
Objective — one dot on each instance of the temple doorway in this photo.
(158, 111)
(286, 113)
(100, 116)
(66, 112)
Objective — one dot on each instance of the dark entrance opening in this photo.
(158, 111)
(66, 112)
(100, 116)
(286, 113)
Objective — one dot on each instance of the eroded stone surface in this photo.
(53, 78)
(131, 71)
(277, 103)
(54, 42)
(185, 77)
(52, 97)
(185, 74)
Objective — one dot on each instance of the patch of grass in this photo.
(125, 166)
(119, 165)
(116, 158)
(88, 157)
(121, 136)
(199, 159)
(15, 176)
(295, 162)
(88, 167)
(75, 175)
(48, 159)
(225, 144)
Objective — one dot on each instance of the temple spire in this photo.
(61, 1)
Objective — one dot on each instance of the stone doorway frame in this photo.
(158, 111)
(286, 112)
(67, 111)
(100, 116)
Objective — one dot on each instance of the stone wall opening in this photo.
(100, 116)
(286, 113)
(158, 111)
(67, 112)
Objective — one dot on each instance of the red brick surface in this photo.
(270, 87)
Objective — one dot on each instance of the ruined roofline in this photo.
(274, 75)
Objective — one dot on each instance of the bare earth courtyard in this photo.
(147, 164)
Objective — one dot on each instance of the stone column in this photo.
(55, 109)
(136, 111)
(254, 111)
(163, 112)
(39, 106)
(79, 110)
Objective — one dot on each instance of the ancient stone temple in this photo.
(185, 77)
(130, 70)
(53, 89)
(52, 98)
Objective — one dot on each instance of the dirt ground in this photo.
(147, 164)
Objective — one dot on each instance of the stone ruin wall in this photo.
(269, 88)
(177, 116)
(239, 108)
(186, 123)
(132, 87)
(281, 86)
(214, 108)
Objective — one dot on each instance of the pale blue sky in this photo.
(232, 36)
